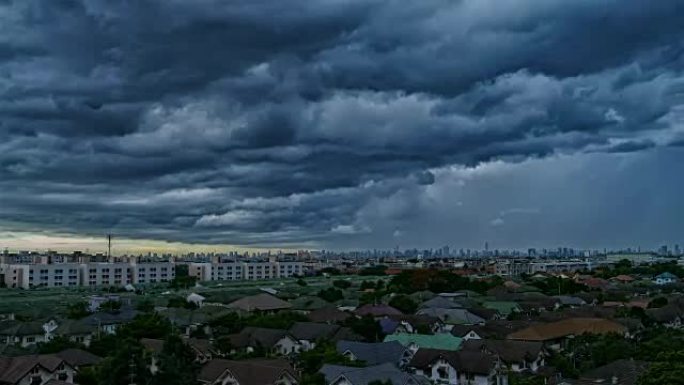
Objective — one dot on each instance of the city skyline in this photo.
(341, 125)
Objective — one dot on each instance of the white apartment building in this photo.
(247, 270)
(47, 275)
(106, 274)
(27, 275)
(152, 272)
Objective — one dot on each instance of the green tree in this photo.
(57, 344)
(301, 282)
(177, 364)
(342, 284)
(126, 364)
(331, 294)
(657, 302)
(366, 327)
(182, 279)
(77, 310)
(668, 369)
(404, 304)
(145, 305)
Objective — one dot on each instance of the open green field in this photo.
(44, 302)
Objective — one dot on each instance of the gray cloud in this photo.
(217, 122)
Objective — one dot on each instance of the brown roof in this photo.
(567, 327)
(261, 302)
(328, 314)
(13, 369)
(509, 351)
(247, 372)
(78, 357)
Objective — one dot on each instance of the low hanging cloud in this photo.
(215, 122)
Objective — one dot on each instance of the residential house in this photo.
(309, 333)
(35, 370)
(277, 341)
(620, 372)
(518, 356)
(260, 302)
(328, 315)
(187, 320)
(406, 323)
(348, 375)
(413, 342)
(248, 372)
(23, 334)
(670, 316)
(554, 334)
(440, 302)
(503, 307)
(437, 365)
(109, 322)
(195, 299)
(377, 311)
(76, 331)
(467, 332)
(476, 368)
(665, 279)
(454, 316)
(569, 301)
(375, 353)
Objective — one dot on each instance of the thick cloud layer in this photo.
(316, 122)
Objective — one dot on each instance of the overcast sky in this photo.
(342, 124)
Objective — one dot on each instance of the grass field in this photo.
(44, 302)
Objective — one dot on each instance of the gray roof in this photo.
(254, 336)
(624, 372)
(74, 328)
(262, 302)
(440, 302)
(373, 353)
(456, 316)
(312, 331)
(78, 358)
(14, 328)
(364, 376)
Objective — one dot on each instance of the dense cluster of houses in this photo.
(452, 338)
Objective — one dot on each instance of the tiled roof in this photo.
(620, 372)
(15, 368)
(78, 357)
(247, 372)
(566, 327)
(328, 314)
(364, 376)
(261, 302)
(442, 341)
(377, 310)
(253, 336)
(311, 331)
(373, 353)
(509, 351)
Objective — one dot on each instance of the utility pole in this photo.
(109, 247)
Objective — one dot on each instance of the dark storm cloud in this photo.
(269, 122)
